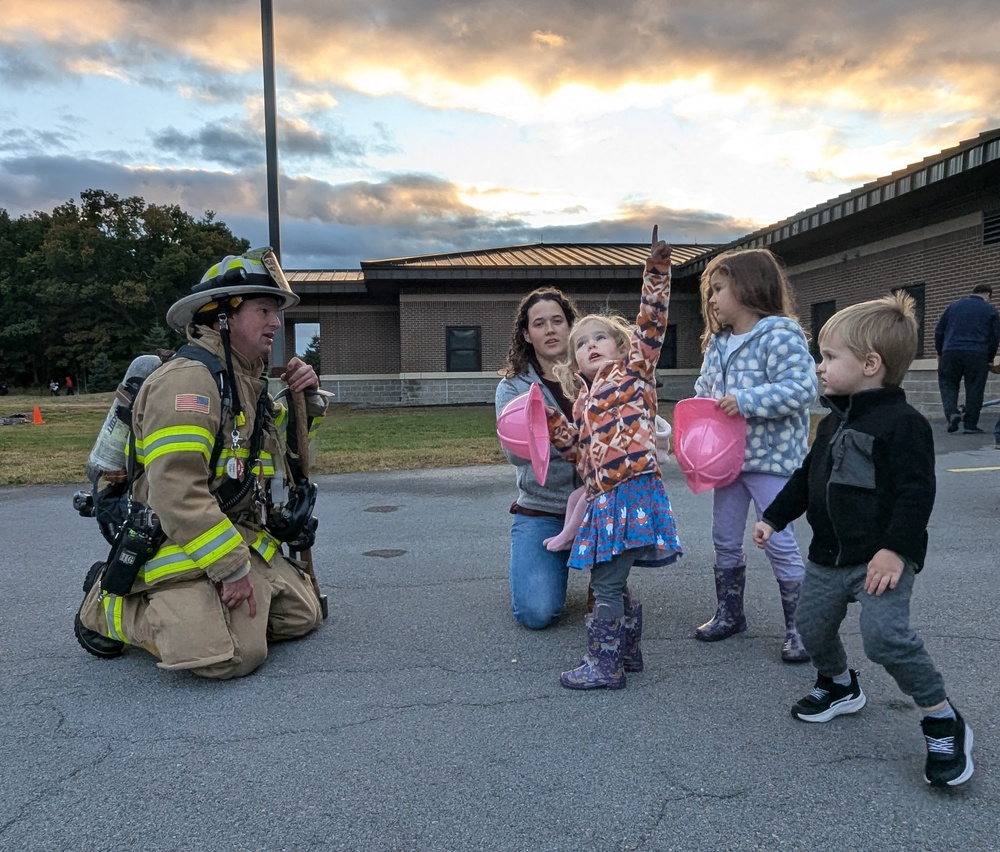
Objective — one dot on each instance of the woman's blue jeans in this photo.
(537, 576)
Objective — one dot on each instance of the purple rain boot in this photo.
(631, 638)
(728, 618)
(792, 651)
(602, 665)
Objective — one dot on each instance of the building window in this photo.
(976, 157)
(920, 179)
(861, 202)
(888, 191)
(991, 227)
(936, 172)
(874, 197)
(464, 351)
(917, 292)
(307, 343)
(837, 211)
(905, 183)
(955, 165)
(821, 312)
(668, 352)
(849, 207)
(992, 150)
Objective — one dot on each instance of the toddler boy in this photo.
(867, 488)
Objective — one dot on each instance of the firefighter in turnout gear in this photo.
(210, 454)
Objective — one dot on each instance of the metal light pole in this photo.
(271, 148)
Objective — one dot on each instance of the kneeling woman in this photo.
(538, 576)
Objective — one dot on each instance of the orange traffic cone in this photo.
(36, 418)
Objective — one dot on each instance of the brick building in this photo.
(434, 329)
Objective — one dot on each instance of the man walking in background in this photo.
(966, 339)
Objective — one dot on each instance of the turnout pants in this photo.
(186, 626)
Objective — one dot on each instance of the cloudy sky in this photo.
(417, 126)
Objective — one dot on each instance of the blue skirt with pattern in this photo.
(634, 515)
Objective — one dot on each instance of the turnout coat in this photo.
(173, 608)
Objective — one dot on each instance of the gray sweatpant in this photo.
(886, 634)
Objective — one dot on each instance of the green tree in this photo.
(96, 277)
(312, 354)
(20, 306)
(159, 337)
(103, 376)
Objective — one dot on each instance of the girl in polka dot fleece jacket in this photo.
(757, 363)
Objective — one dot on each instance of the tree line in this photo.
(85, 289)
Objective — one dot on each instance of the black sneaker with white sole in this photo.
(828, 699)
(949, 751)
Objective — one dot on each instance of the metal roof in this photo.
(324, 276)
(315, 281)
(559, 260)
(540, 255)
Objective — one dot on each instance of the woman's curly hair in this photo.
(522, 353)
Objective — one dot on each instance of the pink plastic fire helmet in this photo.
(524, 431)
(709, 444)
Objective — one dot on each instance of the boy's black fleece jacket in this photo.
(867, 482)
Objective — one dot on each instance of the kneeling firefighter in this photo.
(197, 575)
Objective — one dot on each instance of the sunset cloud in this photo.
(435, 124)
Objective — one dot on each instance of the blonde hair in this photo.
(886, 326)
(617, 326)
(759, 282)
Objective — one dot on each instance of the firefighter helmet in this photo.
(224, 286)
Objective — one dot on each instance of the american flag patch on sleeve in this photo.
(192, 402)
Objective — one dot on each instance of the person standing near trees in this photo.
(69, 386)
(538, 576)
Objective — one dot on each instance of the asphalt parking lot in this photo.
(422, 717)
